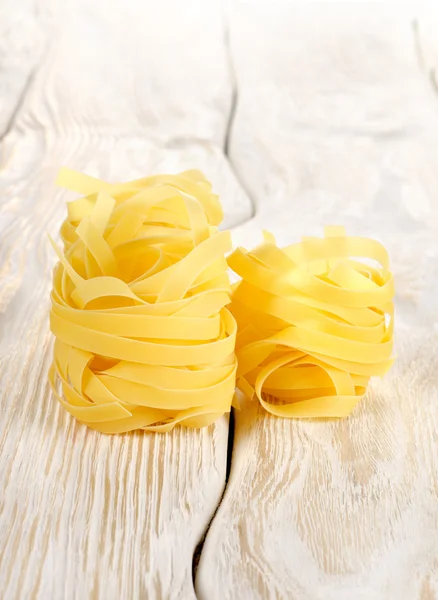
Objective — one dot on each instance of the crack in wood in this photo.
(20, 101)
(198, 550)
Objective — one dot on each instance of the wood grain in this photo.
(21, 45)
(336, 121)
(84, 515)
(331, 510)
(345, 130)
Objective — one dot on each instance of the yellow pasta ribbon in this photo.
(315, 322)
(143, 336)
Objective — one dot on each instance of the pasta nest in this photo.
(314, 323)
(143, 336)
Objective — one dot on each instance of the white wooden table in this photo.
(301, 115)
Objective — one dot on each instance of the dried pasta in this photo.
(143, 336)
(314, 322)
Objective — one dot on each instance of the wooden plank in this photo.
(345, 130)
(334, 510)
(84, 515)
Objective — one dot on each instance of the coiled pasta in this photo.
(143, 336)
(314, 323)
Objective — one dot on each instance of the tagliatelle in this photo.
(314, 323)
(143, 336)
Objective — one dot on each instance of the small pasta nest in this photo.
(314, 323)
(143, 336)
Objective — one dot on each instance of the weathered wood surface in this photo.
(113, 93)
(336, 121)
(344, 130)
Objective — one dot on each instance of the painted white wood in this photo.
(336, 122)
(21, 45)
(119, 79)
(344, 130)
(86, 515)
(120, 92)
